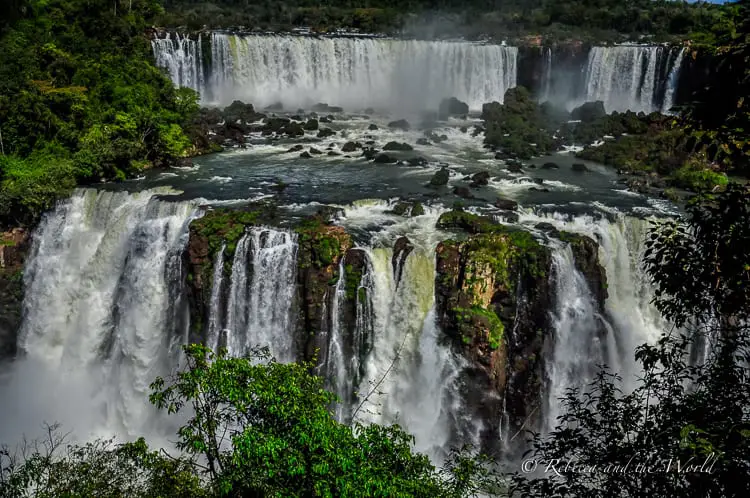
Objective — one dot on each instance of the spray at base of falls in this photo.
(102, 311)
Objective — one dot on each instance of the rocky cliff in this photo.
(14, 245)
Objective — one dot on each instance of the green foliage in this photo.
(683, 430)
(78, 74)
(696, 174)
(323, 243)
(264, 428)
(33, 185)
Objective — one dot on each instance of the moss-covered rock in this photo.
(440, 178)
(14, 247)
(398, 146)
(492, 297)
(586, 257)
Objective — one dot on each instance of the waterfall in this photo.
(98, 312)
(581, 338)
(183, 59)
(546, 75)
(578, 347)
(356, 72)
(214, 313)
(262, 291)
(628, 77)
(336, 372)
(672, 81)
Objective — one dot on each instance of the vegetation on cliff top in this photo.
(81, 100)
(609, 20)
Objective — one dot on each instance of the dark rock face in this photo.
(589, 112)
(296, 148)
(311, 125)
(492, 296)
(325, 133)
(550, 165)
(440, 178)
(350, 147)
(401, 250)
(13, 250)
(480, 179)
(453, 107)
(586, 255)
(463, 192)
(416, 161)
(385, 159)
(372, 127)
(239, 111)
(305, 155)
(506, 204)
(423, 141)
(398, 146)
(315, 151)
(321, 248)
(369, 153)
(400, 124)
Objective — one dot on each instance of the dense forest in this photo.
(568, 19)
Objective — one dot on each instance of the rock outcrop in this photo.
(14, 246)
(493, 295)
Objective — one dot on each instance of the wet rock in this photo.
(296, 148)
(400, 124)
(586, 256)
(324, 120)
(416, 161)
(417, 209)
(333, 153)
(464, 129)
(514, 167)
(372, 127)
(580, 167)
(589, 112)
(534, 189)
(277, 106)
(322, 107)
(293, 130)
(463, 192)
(14, 247)
(401, 250)
(508, 216)
(480, 179)
(440, 178)
(239, 111)
(311, 125)
(276, 124)
(548, 228)
(506, 204)
(423, 141)
(369, 154)
(297, 117)
(350, 147)
(305, 155)
(401, 208)
(539, 181)
(315, 151)
(325, 133)
(550, 165)
(384, 159)
(478, 130)
(452, 107)
(398, 146)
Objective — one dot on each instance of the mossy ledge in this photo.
(493, 295)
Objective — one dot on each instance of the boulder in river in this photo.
(398, 146)
(506, 204)
(311, 125)
(384, 159)
(372, 127)
(325, 133)
(480, 179)
(350, 147)
(305, 155)
(416, 161)
(315, 151)
(550, 165)
(463, 192)
(369, 153)
(440, 178)
(453, 107)
(276, 106)
(296, 148)
(400, 124)
(423, 141)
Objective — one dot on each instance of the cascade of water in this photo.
(576, 322)
(214, 314)
(259, 307)
(98, 305)
(631, 318)
(183, 58)
(547, 75)
(625, 77)
(336, 369)
(672, 81)
(357, 72)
